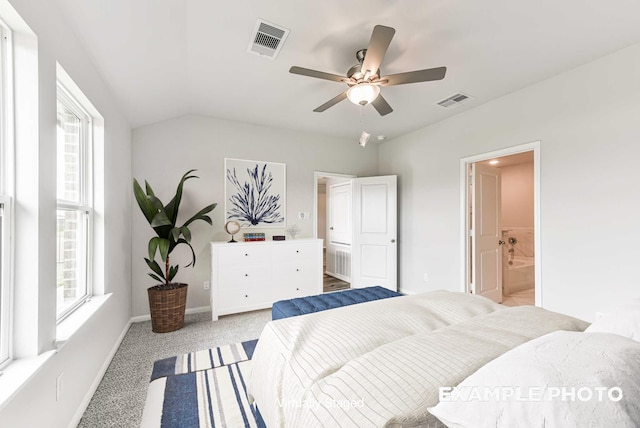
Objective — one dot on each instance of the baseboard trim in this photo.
(198, 310)
(96, 382)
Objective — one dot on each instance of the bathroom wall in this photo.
(517, 195)
(517, 207)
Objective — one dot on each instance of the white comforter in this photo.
(381, 363)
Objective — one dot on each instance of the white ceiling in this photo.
(168, 58)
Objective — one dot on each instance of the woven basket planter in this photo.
(167, 307)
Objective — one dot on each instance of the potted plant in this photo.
(167, 300)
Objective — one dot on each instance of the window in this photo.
(5, 279)
(75, 203)
(6, 166)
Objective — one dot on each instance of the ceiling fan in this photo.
(364, 78)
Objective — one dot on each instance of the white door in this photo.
(339, 229)
(486, 277)
(374, 250)
(340, 213)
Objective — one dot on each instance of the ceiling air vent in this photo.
(455, 100)
(267, 39)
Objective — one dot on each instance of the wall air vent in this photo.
(455, 100)
(267, 39)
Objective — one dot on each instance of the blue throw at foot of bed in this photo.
(321, 302)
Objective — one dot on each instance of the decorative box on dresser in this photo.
(246, 276)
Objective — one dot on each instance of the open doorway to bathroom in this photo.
(502, 225)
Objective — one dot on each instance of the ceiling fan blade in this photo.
(415, 76)
(380, 40)
(333, 101)
(317, 74)
(381, 105)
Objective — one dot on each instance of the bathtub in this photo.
(519, 275)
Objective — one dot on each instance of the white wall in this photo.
(83, 356)
(587, 122)
(164, 151)
(517, 195)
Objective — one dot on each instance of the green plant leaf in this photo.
(145, 204)
(200, 215)
(149, 189)
(186, 233)
(173, 270)
(154, 266)
(160, 219)
(175, 234)
(156, 278)
(153, 247)
(174, 205)
(193, 253)
(164, 245)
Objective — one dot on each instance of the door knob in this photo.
(393, 241)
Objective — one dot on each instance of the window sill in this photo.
(18, 372)
(71, 324)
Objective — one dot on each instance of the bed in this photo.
(382, 363)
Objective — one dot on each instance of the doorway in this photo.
(361, 228)
(333, 225)
(501, 225)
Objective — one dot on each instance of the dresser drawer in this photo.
(298, 279)
(295, 272)
(244, 296)
(245, 255)
(235, 276)
(293, 252)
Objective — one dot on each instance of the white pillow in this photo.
(546, 372)
(623, 320)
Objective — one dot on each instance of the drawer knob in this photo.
(297, 251)
(246, 295)
(245, 254)
(246, 274)
(297, 289)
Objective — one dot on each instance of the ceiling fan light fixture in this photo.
(363, 93)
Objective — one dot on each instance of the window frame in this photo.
(85, 203)
(6, 187)
(6, 288)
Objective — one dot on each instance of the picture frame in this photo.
(255, 193)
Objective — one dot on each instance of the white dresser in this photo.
(253, 275)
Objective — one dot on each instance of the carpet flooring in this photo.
(120, 397)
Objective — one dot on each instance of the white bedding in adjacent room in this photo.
(381, 363)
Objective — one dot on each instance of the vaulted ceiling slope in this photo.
(167, 58)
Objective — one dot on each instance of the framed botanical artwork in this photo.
(255, 193)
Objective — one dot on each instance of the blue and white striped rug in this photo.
(202, 389)
(203, 360)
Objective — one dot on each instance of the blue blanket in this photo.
(321, 302)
